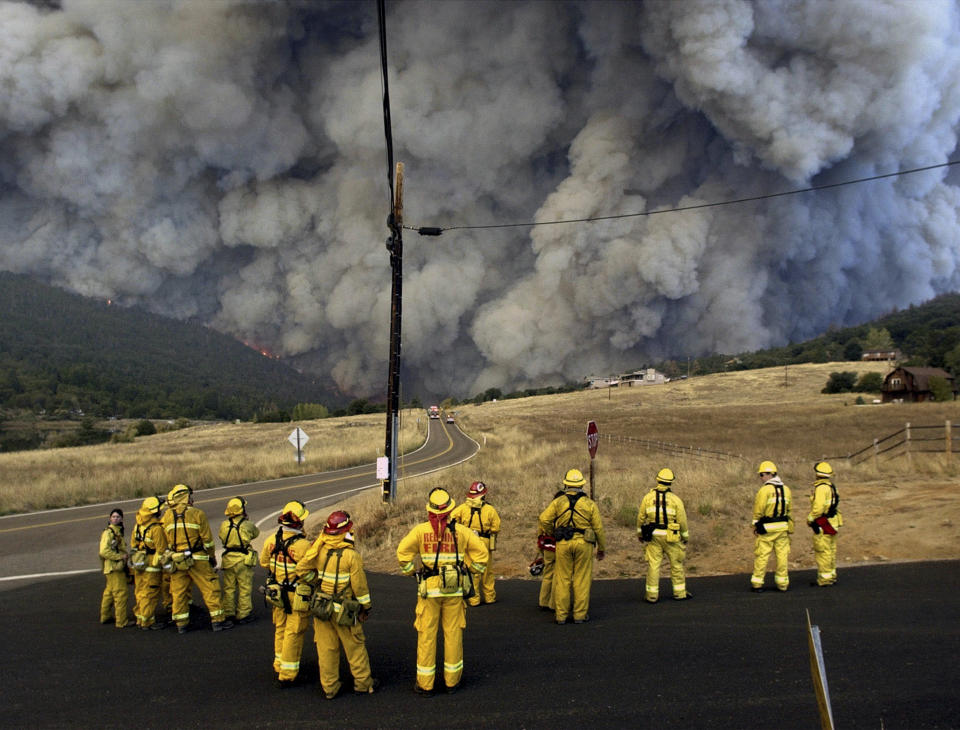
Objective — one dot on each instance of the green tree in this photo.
(878, 338)
(940, 387)
(869, 383)
(852, 350)
(840, 383)
(952, 360)
(309, 412)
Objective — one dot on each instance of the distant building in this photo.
(913, 384)
(594, 381)
(881, 355)
(647, 376)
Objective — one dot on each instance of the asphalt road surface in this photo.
(60, 540)
(728, 658)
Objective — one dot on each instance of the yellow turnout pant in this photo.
(778, 542)
(113, 603)
(205, 578)
(573, 575)
(825, 552)
(451, 612)
(146, 595)
(329, 637)
(653, 552)
(237, 590)
(546, 584)
(289, 631)
(484, 583)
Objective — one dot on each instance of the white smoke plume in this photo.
(225, 161)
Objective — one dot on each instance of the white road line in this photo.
(49, 575)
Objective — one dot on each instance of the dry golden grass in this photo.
(202, 456)
(529, 443)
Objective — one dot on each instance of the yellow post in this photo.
(948, 437)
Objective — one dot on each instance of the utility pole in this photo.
(395, 247)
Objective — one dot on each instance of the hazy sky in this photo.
(226, 161)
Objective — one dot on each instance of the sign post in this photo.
(593, 441)
(298, 437)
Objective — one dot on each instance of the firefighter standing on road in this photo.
(573, 519)
(192, 559)
(344, 600)
(236, 563)
(148, 542)
(773, 524)
(662, 525)
(481, 517)
(291, 612)
(447, 550)
(113, 562)
(824, 519)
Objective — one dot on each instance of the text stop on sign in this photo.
(593, 438)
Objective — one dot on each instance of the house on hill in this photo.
(648, 376)
(913, 384)
(882, 355)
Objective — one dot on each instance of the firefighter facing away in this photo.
(825, 521)
(237, 562)
(341, 603)
(573, 519)
(480, 516)
(773, 524)
(148, 542)
(113, 562)
(662, 526)
(289, 596)
(450, 556)
(191, 559)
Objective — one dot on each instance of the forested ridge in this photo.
(71, 355)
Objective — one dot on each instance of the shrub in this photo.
(940, 388)
(145, 428)
(840, 382)
(869, 383)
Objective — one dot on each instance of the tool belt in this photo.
(138, 560)
(562, 533)
(761, 525)
(178, 562)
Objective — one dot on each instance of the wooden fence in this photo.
(909, 440)
(665, 447)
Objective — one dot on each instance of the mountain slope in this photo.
(60, 351)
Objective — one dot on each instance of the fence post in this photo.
(906, 443)
(948, 437)
(876, 456)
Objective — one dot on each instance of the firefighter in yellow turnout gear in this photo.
(773, 525)
(148, 542)
(237, 562)
(825, 521)
(447, 551)
(662, 525)
(573, 519)
(481, 517)
(113, 563)
(281, 554)
(191, 559)
(340, 605)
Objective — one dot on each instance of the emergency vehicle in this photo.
(434, 411)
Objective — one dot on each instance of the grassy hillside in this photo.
(62, 354)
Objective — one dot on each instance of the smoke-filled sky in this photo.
(225, 161)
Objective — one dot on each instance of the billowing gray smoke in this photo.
(225, 161)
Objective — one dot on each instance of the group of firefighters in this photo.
(323, 582)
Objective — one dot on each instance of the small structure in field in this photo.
(893, 355)
(913, 384)
(647, 376)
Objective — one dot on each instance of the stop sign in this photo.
(593, 438)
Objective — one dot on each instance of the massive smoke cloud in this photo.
(225, 161)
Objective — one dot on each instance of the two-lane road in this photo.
(63, 540)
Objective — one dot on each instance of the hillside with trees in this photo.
(63, 356)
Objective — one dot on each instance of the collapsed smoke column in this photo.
(225, 161)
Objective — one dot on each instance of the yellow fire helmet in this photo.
(823, 469)
(294, 513)
(179, 494)
(574, 478)
(150, 506)
(665, 476)
(767, 467)
(236, 506)
(440, 502)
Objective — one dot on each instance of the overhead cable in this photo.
(436, 230)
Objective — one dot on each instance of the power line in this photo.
(436, 230)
